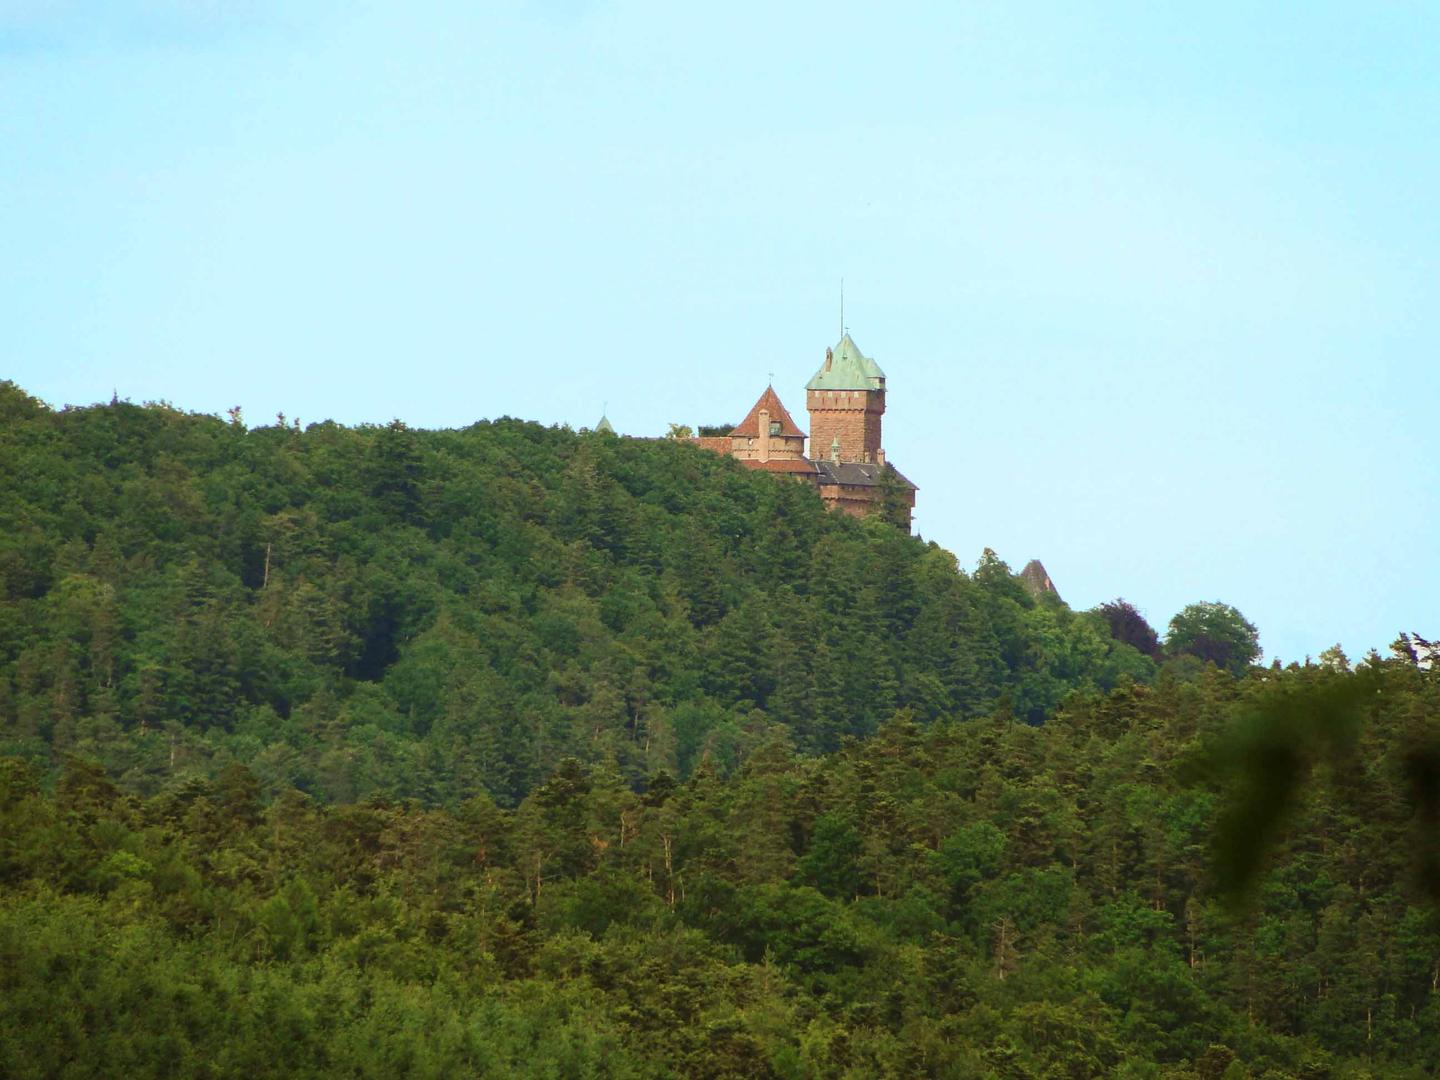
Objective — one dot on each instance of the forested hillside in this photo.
(381, 611)
(513, 751)
(977, 899)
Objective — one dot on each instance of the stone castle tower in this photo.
(846, 462)
(846, 400)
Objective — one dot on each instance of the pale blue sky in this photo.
(1155, 285)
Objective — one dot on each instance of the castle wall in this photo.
(858, 501)
(766, 447)
(851, 415)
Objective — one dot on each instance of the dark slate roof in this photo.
(854, 474)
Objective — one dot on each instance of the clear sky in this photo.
(1156, 285)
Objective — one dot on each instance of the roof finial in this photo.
(842, 307)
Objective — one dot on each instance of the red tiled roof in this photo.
(719, 443)
(771, 402)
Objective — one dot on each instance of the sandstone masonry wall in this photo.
(851, 415)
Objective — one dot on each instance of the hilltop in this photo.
(386, 611)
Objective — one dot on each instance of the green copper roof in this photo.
(847, 368)
(605, 426)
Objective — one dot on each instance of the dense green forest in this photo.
(512, 751)
(428, 614)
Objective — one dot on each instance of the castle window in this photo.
(774, 427)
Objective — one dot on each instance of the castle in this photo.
(846, 461)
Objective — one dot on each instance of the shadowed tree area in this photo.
(1129, 626)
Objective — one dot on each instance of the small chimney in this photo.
(880, 456)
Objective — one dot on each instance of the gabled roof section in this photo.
(769, 401)
(847, 368)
